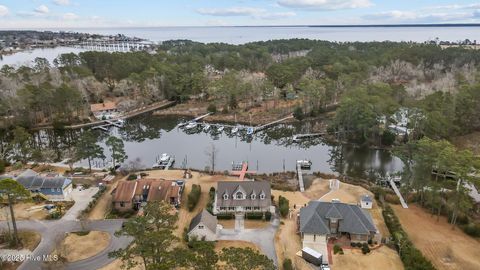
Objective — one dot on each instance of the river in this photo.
(241, 35)
(147, 136)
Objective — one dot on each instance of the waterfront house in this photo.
(130, 195)
(319, 221)
(203, 227)
(243, 197)
(105, 110)
(52, 187)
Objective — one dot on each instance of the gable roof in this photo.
(98, 107)
(314, 218)
(125, 191)
(152, 189)
(249, 187)
(207, 219)
(366, 198)
(32, 180)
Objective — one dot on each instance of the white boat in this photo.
(304, 164)
(191, 125)
(250, 131)
(206, 127)
(220, 128)
(164, 161)
(234, 130)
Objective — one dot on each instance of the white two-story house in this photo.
(243, 197)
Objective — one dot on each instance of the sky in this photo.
(39, 14)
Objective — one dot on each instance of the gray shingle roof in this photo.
(32, 180)
(352, 219)
(249, 187)
(209, 220)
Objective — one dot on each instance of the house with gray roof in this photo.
(319, 221)
(243, 197)
(53, 187)
(366, 202)
(203, 227)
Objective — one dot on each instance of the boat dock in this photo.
(109, 123)
(169, 164)
(240, 169)
(262, 127)
(300, 178)
(395, 189)
(201, 117)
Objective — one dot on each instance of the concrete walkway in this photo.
(263, 238)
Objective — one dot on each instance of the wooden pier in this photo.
(395, 189)
(240, 169)
(169, 164)
(262, 127)
(300, 178)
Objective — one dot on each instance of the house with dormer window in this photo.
(242, 197)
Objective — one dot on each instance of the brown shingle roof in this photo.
(98, 107)
(125, 191)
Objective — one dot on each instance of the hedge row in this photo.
(211, 200)
(93, 202)
(283, 205)
(411, 257)
(194, 196)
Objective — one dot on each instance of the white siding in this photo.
(200, 233)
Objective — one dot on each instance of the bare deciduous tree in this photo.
(212, 153)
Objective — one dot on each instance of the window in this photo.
(59, 189)
(53, 190)
(256, 208)
(231, 208)
(122, 204)
(262, 196)
(223, 208)
(314, 237)
(225, 196)
(248, 208)
(253, 196)
(239, 195)
(200, 227)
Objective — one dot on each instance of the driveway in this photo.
(53, 231)
(263, 238)
(82, 198)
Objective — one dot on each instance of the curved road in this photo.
(53, 231)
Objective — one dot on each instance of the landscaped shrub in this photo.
(131, 177)
(283, 205)
(337, 249)
(365, 248)
(370, 241)
(287, 264)
(114, 214)
(225, 216)
(298, 113)
(254, 215)
(268, 216)
(211, 200)
(194, 196)
(471, 229)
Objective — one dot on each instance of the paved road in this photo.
(53, 231)
(263, 238)
(82, 198)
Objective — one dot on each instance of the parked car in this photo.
(325, 267)
(49, 207)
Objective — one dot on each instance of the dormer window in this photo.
(239, 196)
(262, 196)
(225, 196)
(253, 196)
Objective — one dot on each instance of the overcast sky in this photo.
(141, 13)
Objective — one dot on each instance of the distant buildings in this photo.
(130, 195)
(243, 197)
(52, 187)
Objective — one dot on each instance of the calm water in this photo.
(147, 137)
(240, 35)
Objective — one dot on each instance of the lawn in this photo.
(80, 246)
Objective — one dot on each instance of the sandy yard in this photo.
(29, 239)
(117, 264)
(249, 224)
(444, 247)
(104, 204)
(287, 244)
(317, 189)
(382, 258)
(76, 247)
(25, 211)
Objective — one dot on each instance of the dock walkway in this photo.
(395, 189)
(262, 127)
(300, 178)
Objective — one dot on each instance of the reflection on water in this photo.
(146, 137)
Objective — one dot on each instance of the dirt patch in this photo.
(219, 245)
(117, 264)
(282, 181)
(29, 239)
(25, 211)
(104, 204)
(382, 258)
(317, 189)
(347, 193)
(249, 224)
(288, 243)
(445, 247)
(76, 247)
